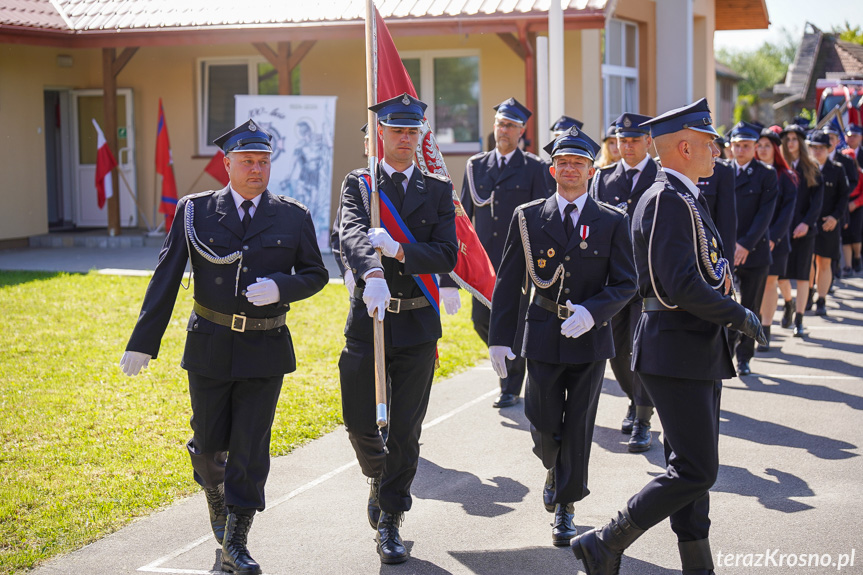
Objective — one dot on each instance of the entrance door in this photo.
(58, 171)
(86, 105)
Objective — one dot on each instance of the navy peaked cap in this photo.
(801, 121)
(853, 129)
(818, 138)
(247, 137)
(795, 128)
(745, 131)
(695, 116)
(512, 109)
(610, 132)
(564, 123)
(630, 125)
(403, 110)
(573, 142)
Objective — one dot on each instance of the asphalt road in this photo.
(789, 485)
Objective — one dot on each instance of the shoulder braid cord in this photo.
(528, 259)
(477, 201)
(364, 193)
(716, 272)
(209, 255)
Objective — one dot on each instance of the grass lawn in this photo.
(85, 449)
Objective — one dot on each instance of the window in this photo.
(620, 70)
(223, 78)
(448, 81)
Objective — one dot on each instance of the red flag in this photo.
(216, 168)
(473, 270)
(165, 167)
(105, 162)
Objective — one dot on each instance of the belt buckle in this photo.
(563, 312)
(238, 323)
(397, 308)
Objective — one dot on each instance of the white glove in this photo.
(350, 283)
(376, 296)
(578, 323)
(264, 292)
(133, 361)
(451, 300)
(380, 238)
(499, 354)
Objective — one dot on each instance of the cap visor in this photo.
(253, 147)
(625, 134)
(401, 123)
(573, 152)
(708, 129)
(510, 117)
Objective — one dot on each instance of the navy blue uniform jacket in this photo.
(807, 208)
(609, 185)
(836, 191)
(280, 244)
(692, 341)
(601, 278)
(718, 192)
(756, 189)
(429, 213)
(780, 228)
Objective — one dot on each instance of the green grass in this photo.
(85, 449)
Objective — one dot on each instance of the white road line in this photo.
(155, 566)
(804, 376)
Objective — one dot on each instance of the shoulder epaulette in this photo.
(608, 167)
(610, 207)
(532, 156)
(293, 201)
(199, 195)
(477, 156)
(531, 203)
(440, 177)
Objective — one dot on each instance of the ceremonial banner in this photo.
(302, 159)
(216, 168)
(165, 167)
(473, 270)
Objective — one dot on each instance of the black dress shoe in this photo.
(743, 368)
(235, 554)
(218, 514)
(374, 507)
(390, 546)
(505, 400)
(563, 529)
(787, 314)
(626, 424)
(763, 348)
(641, 437)
(548, 491)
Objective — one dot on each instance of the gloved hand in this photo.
(380, 238)
(133, 361)
(451, 299)
(499, 354)
(578, 323)
(752, 328)
(376, 296)
(350, 283)
(264, 292)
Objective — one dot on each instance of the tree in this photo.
(760, 68)
(849, 34)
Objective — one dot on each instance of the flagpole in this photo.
(371, 98)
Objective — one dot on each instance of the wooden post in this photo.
(284, 60)
(285, 88)
(525, 40)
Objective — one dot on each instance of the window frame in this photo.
(202, 70)
(619, 72)
(427, 58)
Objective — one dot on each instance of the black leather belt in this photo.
(238, 322)
(398, 305)
(561, 311)
(653, 304)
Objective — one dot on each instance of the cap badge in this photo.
(406, 101)
(574, 131)
(252, 127)
(627, 123)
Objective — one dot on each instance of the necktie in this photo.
(630, 175)
(247, 216)
(502, 163)
(568, 226)
(702, 201)
(398, 179)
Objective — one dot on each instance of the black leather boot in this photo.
(600, 549)
(641, 438)
(563, 529)
(810, 301)
(798, 325)
(374, 507)
(763, 348)
(626, 424)
(695, 557)
(788, 314)
(390, 546)
(235, 554)
(821, 306)
(548, 491)
(218, 514)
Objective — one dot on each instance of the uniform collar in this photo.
(743, 167)
(639, 166)
(561, 203)
(686, 181)
(391, 170)
(498, 156)
(238, 199)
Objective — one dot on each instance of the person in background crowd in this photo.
(723, 146)
(807, 209)
(852, 234)
(767, 150)
(608, 152)
(718, 190)
(835, 203)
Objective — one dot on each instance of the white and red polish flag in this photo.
(105, 162)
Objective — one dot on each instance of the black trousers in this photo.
(689, 412)
(515, 368)
(560, 403)
(233, 416)
(623, 330)
(409, 377)
(752, 282)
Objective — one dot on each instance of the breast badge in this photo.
(551, 252)
(540, 263)
(713, 257)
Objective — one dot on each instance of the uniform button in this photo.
(616, 198)
(728, 324)
(242, 313)
(567, 274)
(596, 252)
(245, 247)
(566, 258)
(279, 242)
(628, 201)
(195, 325)
(495, 218)
(423, 221)
(566, 290)
(494, 234)
(517, 187)
(400, 294)
(212, 240)
(496, 202)
(354, 270)
(605, 323)
(401, 274)
(243, 292)
(245, 269)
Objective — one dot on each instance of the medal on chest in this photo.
(583, 231)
